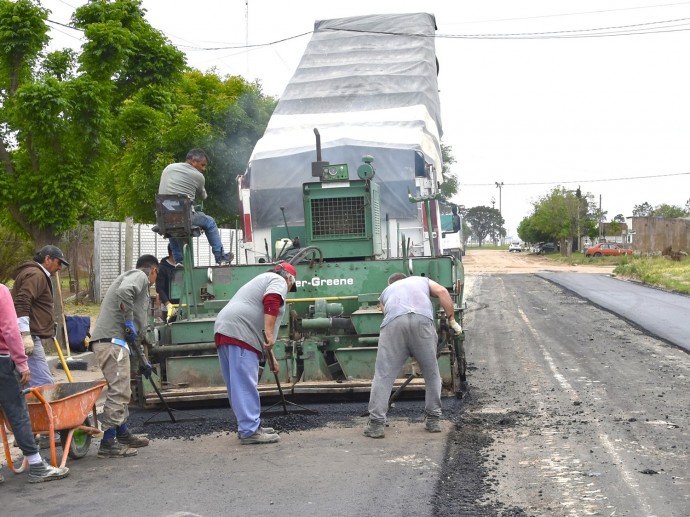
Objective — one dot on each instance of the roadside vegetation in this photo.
(657, 271)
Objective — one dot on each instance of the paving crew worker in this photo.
(14, 373)
(165, 272)
(408, 329)
(187, 179)
(33, 301)
(125, 305)
(257, 306)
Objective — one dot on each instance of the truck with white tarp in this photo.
(369, 85)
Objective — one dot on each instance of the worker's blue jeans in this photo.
(208, 224)
(240, 368)
(14, 405)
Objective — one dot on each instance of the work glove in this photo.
(28, 344)
(146, 369)
(455, 327)
(130, 332)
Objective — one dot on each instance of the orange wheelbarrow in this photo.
(63, 408)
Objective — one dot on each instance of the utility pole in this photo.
(578, 194)
(600, 228)
(246, 35)
(499, 186)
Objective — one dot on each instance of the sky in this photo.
(534, 94)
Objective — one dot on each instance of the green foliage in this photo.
(449, 187)
(664, 210)
(485, 221)
(13, 251)
(643, 210)
(23, 33)
(61, 136)
(559, 215)
(224, 116)
(659, 271)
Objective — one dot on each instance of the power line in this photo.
(600, 180)
(571, 14)
(623, 30)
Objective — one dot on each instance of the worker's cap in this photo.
(52, 252)
(290, 269)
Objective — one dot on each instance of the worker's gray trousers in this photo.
(114, 363)
(38, 365)
(405, 336)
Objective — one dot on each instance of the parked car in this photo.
(515, 247)
(606, 249)
(546, 247)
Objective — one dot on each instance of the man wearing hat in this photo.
(255, 311)
(33, 301)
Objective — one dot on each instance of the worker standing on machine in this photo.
(257, 307)
(408, 329)
(123, 311)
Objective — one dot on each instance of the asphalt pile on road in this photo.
(465, 485)
(196, 422)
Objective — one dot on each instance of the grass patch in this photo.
(82, 309)
(658, 271)
(580, 259)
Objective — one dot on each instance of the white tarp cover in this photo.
(369, 85)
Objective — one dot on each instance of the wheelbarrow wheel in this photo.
(81, 441)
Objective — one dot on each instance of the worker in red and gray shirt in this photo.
(256, 308)
(14, 373)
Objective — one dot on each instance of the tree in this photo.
(485, 221)
(57, 140)
(643, 210)
(666, 211)
(225, 116)
(620, 218)
(560, 215)
(449, 187)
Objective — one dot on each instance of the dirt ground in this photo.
(502, 261)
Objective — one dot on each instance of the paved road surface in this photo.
(662, 314)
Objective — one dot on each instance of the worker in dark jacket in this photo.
(122, 316)
(165, 272)
(33, 301)
(14, 373)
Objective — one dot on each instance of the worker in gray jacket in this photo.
(408, 330)
(122, 316)
(187, 179)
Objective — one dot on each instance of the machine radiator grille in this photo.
(335, 217)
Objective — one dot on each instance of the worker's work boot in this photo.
(374, 429)
(433, 424)
(260, 436)
(131, 440)
(265, 430)
(43, 471)
(111, 448)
